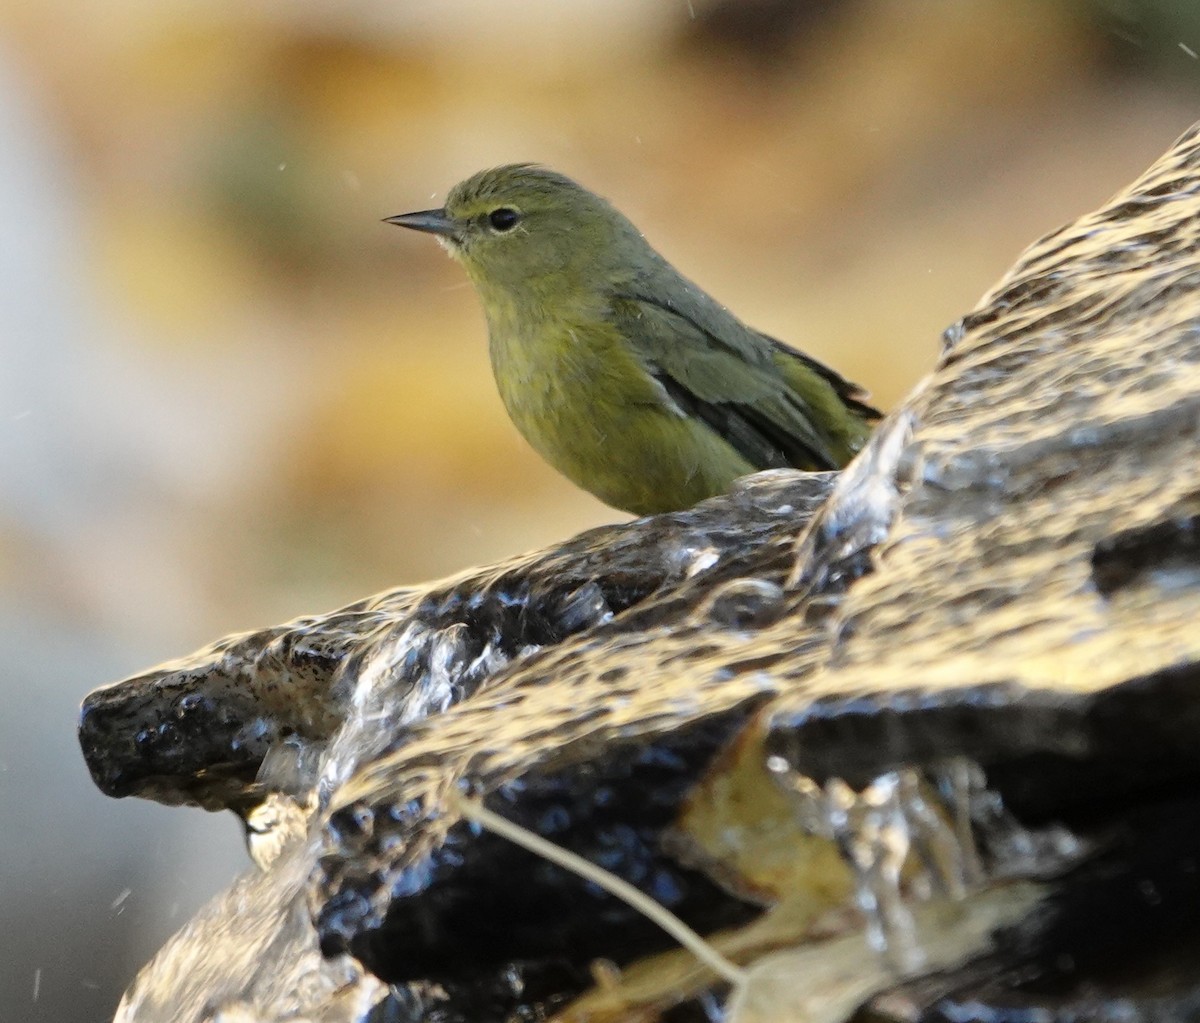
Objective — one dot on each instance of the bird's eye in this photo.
(503, 219)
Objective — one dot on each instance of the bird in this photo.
(623, 374)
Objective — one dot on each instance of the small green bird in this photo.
(624, 375)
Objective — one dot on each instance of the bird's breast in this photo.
(579, 395)
(564, 381)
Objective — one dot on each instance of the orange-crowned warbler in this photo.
(623, 374)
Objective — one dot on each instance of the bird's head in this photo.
(521, 226)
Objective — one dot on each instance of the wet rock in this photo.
(328, 694)
(969, 665)
(197, 730)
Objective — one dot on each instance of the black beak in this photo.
(429, 221)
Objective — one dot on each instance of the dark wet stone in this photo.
(1119, 940)
(612, 808)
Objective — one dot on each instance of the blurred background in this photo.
(229, 395)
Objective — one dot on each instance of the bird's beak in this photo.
(436, 222)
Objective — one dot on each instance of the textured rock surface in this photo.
(196, 730)
(294, 710)
(1009, 572)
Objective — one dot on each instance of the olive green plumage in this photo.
(622, 373)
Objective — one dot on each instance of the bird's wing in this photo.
(738, 383)
(849, 393)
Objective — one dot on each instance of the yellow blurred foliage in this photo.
(420, 412)
(175, 271)
(853, 198)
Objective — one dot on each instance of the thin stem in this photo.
(627, 893)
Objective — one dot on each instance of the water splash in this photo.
(875, 837)
(911, 836)
(1014, 850)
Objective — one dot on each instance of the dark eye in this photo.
(503, 219)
